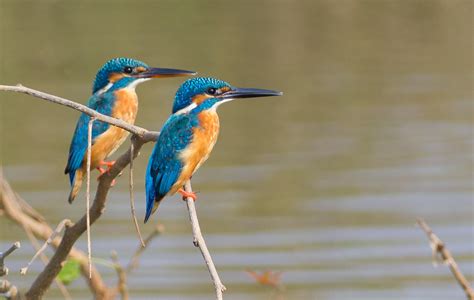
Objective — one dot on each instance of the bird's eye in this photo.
(128, 70)
(211, 91)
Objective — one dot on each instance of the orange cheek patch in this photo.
(113, 77)
(198, 99)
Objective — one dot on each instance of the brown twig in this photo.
(439, 248)
(198, 241)
(159, 228)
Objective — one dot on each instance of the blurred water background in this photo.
(323, 184)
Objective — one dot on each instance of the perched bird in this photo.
(188, 136)
(113, 94)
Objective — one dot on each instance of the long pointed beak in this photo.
(164, 72)
(249, 93)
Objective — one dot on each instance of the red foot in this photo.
(109, 164)
(102, 171)
(187, 194)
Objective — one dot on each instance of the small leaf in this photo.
(268, 278)
(70, 271)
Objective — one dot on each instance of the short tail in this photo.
(76, 183)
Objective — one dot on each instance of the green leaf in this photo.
(70, 271)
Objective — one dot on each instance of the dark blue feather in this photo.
(103, 104)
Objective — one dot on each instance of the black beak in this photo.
(248, 93)
(163, 72)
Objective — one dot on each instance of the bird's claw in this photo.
(187, 194)
(109, 165)
(102, 171)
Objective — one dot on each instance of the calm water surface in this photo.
(323, 184)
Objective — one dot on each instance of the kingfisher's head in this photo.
(202, 93)
(127, 72)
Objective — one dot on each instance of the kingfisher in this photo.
(188, 136)
(113, 94)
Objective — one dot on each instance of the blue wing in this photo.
(164, 166)
(102, 103)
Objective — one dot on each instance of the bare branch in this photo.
(440, 249)
(199, 241)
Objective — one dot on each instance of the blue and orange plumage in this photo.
(113, 95)
(189, 135)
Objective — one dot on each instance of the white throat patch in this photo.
(136, 82)
(217, 104)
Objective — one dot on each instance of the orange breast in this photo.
(126, 107)
(204, 139)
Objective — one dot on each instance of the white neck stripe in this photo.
(186, 109)
(105, 88)
(131, 86)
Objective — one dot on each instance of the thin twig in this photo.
(159, 228)
(439, 248)
(88, 192)
(3, 255)
(58, 229)
(199, 241)
(132, 199)
(34, 241)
